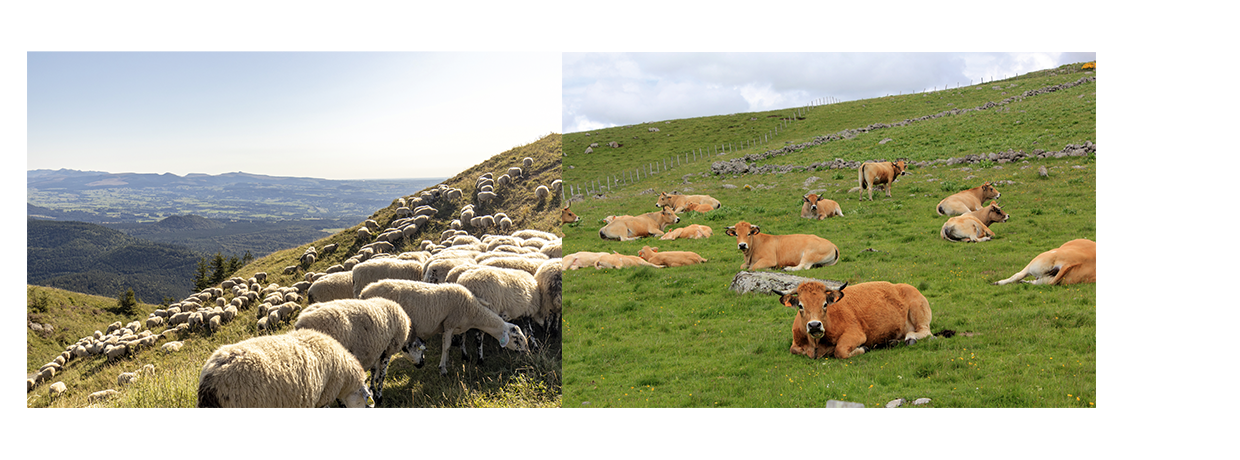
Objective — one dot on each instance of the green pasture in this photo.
(679, 337)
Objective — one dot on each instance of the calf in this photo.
(1072, 263)
(813, 207)
(669, 258)
(618, 260)
(973, 226)
(680, 203)
(792, 252)
(581, 259)
(567, 217)
(629, 228)
(967, 200)
(875, 174)
(693, 231)
(828, 322)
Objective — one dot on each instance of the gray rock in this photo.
(769, 282)
(896, 403)
(832, 404)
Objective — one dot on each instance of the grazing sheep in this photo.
(437, 269)
(528, 233)
(172, 347)
(549, 277)
(57, 389)
(331, 287)
(374, 270)
(100, 396)
(449, 309)
(512, 294)
(527, 162)
(542, 192)
(362, 234)
(527, 264)
(261, 277)
(503, 180)
(373, 330)
(303, 368)
(126, 378)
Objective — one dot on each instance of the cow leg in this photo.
(850, 344)
(1014, 278)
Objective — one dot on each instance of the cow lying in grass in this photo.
(1074, 262)
(973, 226)
(813, 207)
(792, 252)
(681, 203)
(848, 321)
(629, 228)
(669, 258)
(618, 260)
(967, 200)
(568, 217)
(883, 173)
(692, 231)
(581, 259)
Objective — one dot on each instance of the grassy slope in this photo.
(680, 338)
(505, 379)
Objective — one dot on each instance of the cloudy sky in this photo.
(612, 89)
(327, 115)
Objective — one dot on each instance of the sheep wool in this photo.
(331, 287)
(303, 368)
(449, 309)
(377, 269)
(374, 330)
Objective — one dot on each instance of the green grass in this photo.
(679, 337)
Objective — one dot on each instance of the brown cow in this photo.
(700, 207)
(680, 203)
(973, 226)
(1074, 262)
(581, 259)
(871, 314)
(669, 258)
(618, 260)
(793, 252)
(567, 217)
(813, 207)
(967, 200)
(629, 228)
(693, 231)
(875, 174)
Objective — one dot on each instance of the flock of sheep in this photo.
(354, 317)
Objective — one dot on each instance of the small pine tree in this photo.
(126, 303)
(200, 275)
(218, 268)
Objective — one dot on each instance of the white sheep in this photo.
(527, 162)
(528, 233)
(377, 269)
(303, 368)
(542, 192)
(374, 330)
(512, 294)
(331, 287)
(449, 309)
(57, 389)
(172, 347)
(100, 396)
(437, 269)
(126, 378)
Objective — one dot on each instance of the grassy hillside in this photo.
(506, 379)
(679, 337)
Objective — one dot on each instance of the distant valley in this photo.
(102, 197)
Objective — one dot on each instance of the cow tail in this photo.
(940, 210)
(861, 176)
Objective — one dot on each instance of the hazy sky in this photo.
(611, 89)
(328, 115)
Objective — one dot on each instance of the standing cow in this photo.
(1074, 262)
(845, 322)
(879, 174)
(792, 252)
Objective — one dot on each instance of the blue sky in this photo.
(612, 89)
(329, 115)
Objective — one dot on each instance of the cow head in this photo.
(811, 300)
(994, 213)
(646, 252)
(667, 217)
(664, 200)
(812, 201)
(743, 231)
(567, 217)
(899, 168)
(989, 192)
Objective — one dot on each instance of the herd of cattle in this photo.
(847, 321)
